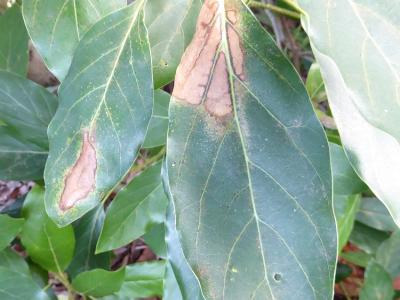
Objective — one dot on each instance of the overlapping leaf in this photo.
(171, 25)
(25, 112)
(248, 167)
(355, 43)
(87, 231)
(10, 227)
(13, 42)
(98, 282)
(158, 127)
(48, 245)
(137, 208)
(56, 27)
(106, 105)
(377, 284)
(347, 187)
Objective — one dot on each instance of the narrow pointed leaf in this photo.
(105, 108)
(98, 282)
(248, 166)
(138, 207)
(10, 227)
(25, 112)
(57, 26)
(171, 25)
(354, 42)
(13, 42)
(49, 246)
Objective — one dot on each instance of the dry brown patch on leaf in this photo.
(81, 179)
(193, 73)
(218, 100)
(203, 72)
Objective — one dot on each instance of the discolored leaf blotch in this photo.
(105, 108)
(247, 168)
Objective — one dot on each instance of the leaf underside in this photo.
(105, 108)
(248, 168)
(355, 43)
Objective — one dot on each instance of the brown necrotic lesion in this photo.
(203, 74)
(81, 179)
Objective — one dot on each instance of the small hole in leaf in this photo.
(277, 277)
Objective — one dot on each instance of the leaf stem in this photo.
(149, 161)
(275, 9)
(64, 280)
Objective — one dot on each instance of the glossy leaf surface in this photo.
(25, 112)
(57, 26)
(99, 282)
(171, 25)
(10, 227)
(143, 280)
(241, 119)
(105, 108)
(48, 245)
(354, 42)
(13, 42)
(137, 208)
(11, 260)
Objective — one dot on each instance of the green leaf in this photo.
(171, 287)
(374, 214)
(377, 284)
(248, 166)
(158, 127)
(13, 42)
(143, 280)
(387, 255)
(49, 246)
(57, 26)
(346, 186)
(87, 231)
(99, 283)
(137, 208)
(26, 110)
(15, 285)
(367, 238)
(315, 84)
(171, 24)
(358, 258)
(106, 104)
(346, 210)
(11, 260)
(354, 42)
(10, 227)
(155, 239)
